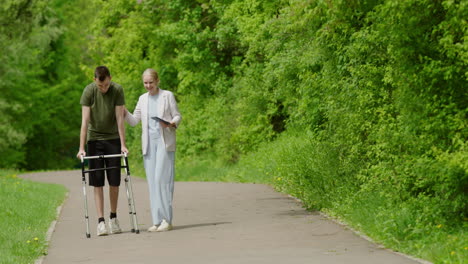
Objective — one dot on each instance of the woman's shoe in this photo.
(164, 226)
(153, 228)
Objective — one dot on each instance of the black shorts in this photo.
(104, 147)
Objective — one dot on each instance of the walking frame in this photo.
(128, 187)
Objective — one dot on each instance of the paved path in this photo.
(213, 223)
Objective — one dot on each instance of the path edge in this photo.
(51, 229)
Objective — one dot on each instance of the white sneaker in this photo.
(165, 226)
(101, 229)
(153, 228)
(114, 226)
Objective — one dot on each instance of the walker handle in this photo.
(104, 156)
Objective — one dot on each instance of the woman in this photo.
(158, 146)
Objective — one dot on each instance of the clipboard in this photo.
(161, 120)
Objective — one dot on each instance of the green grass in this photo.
(202, 170)
(27, 208)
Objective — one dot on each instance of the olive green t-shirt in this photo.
(103, 122)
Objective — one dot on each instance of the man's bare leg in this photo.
(99, 201)
(113, 197)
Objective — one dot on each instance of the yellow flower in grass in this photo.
(36, 239)
(29, 241)
(452, 253)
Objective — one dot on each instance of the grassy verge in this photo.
(203, 170)
(27, 209)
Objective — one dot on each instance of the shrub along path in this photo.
(213, 223)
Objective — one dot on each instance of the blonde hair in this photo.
(153, 74)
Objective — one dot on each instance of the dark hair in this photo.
(101, 73)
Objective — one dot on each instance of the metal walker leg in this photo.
(83, 180)
(131, 200)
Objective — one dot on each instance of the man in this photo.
(102, 123)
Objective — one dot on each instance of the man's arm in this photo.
(119, 114)
(85, 115)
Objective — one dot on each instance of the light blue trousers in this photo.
(159, 167)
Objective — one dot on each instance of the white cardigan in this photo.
(168, 111)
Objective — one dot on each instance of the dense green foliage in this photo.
(350, 103)
(28, 208)
(40, 82)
